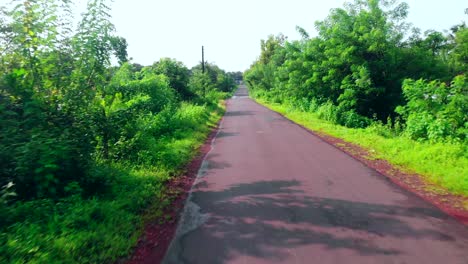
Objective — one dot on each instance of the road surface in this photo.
(271, 192)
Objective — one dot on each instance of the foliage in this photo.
(105, 226)
(178, 75)
(353, 72)
(212, 80)
(435, 111)
(86, 146)
(460, 50)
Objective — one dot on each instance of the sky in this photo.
(231, 30)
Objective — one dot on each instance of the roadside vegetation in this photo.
(372, 79)
(86, 147)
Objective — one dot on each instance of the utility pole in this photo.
(203, 69)
(203, 58)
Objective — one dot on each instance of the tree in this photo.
(356, 64)
(119, 46)
(177, 74)
(460, 50)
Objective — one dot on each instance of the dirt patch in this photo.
(157, 236)
(451, 204)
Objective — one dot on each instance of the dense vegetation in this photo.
(86, 146)
(370, 70)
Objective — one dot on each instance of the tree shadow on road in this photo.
(239, 113)
(223, 134)
(265, 219)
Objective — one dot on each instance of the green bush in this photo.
(386, 131)
(214, 96)
(353, 120)
(41, 151)
(190, 116)
(435, 111)
(314, 105)
(302, 104)
(328, 111)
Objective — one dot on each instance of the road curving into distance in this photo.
(271, 192)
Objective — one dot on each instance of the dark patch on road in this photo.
(239, 113)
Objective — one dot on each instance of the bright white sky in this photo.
(231, 30)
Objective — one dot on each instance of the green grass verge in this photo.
(444, 164)
(105, 227)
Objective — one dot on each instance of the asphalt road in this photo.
(271, 192)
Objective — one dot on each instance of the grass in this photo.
(105, 227)
(444, 164)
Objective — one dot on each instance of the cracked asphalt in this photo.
(271, 192)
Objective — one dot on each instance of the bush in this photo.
(41, 151)
(417, 125)
(190, 116)
(328, 111)
(380, 129)
(435, 111)
(314, 105)
(353, 120)
(301, 104)
(440, 129)
(214, 96)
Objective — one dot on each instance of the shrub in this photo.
(328, 111)
(435, 111)
(417, 125)
(353, 120)
(314, 105)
